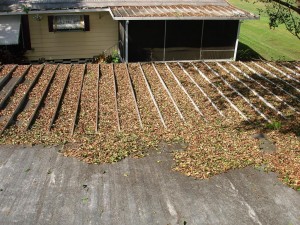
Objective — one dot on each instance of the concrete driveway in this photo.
(39, 186)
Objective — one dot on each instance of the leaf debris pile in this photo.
(88, 103)
(6, 69)
(34, 97)
(18, 93)
(216, 143)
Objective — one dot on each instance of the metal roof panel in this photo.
(180, 12)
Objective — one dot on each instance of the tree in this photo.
(285, 12)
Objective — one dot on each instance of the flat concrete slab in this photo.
(39, 186)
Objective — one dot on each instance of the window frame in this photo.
(52, 21)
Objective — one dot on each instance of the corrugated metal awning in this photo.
(181, 12)
(10, 29)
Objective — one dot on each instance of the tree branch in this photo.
(288, 5)
(295, 25)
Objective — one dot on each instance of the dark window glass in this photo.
(183, 40)
(146, 40)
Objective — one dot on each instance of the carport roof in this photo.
(177, 12)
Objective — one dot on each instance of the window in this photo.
(62, 23)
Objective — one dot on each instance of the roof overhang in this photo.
(10, 30)
(159, 12)
(39, 5)
(56, 11)
(181, 12)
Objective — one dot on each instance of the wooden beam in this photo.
(59, 100)
(153, 98)
(116, 101)
(97, 112)
(22, 101)
(78, 101)
(134, 97)
(7, 77)
(10, 91)
(43, 96)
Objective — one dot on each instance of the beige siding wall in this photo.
(103, 34)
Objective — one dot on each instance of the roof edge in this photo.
(251, 16)
(185, 18)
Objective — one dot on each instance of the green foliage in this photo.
(280, 14)
(113, 58)
(103, 57)
(25, 8)
(275, 125)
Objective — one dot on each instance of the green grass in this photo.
(270, 44)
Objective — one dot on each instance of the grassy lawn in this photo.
(276, 44)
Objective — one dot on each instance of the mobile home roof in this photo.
(132, 9)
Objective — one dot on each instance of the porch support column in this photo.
(201, 45)
(165, 36)
(126, 40)
(237, 41)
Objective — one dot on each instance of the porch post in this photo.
(201, 39)
(237, 41)
(165, 36)
(126, 40)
